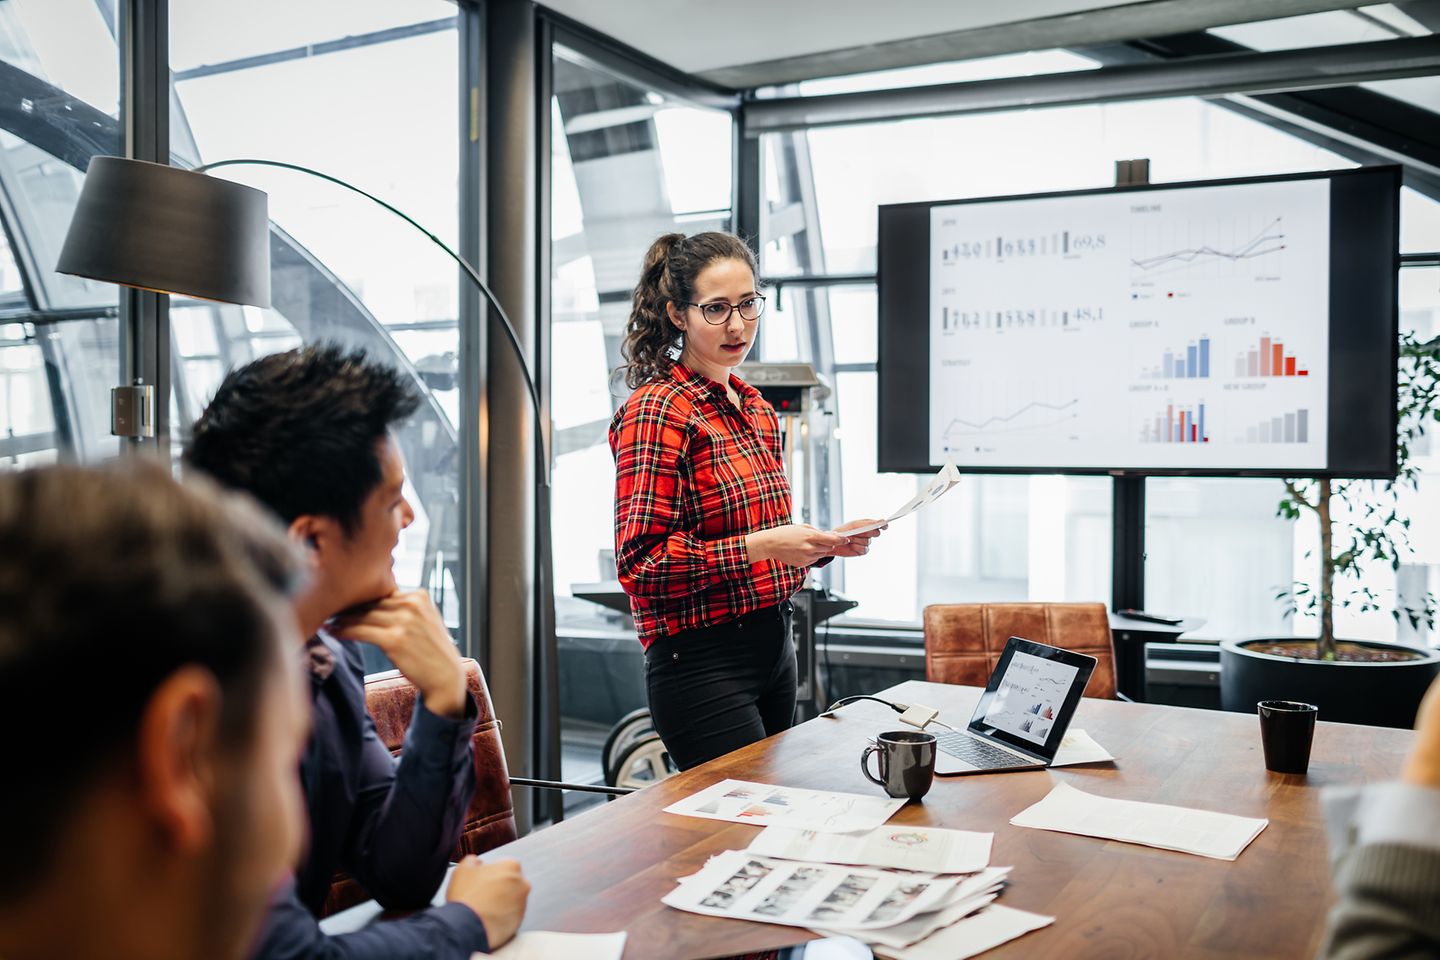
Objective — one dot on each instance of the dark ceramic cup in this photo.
(1286, 729)
(907, 763)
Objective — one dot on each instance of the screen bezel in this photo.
(1084, 663)
(902, 352)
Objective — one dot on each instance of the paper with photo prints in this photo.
(970, 895)
(739, 886)
(765, 805)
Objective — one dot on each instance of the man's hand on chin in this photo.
(408, 629)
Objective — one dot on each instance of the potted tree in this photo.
(1351, 681)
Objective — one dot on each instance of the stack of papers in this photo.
(827, 862)
(907, 915)
(1202, 832)
(795, 893)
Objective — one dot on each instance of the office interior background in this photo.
(551, 144)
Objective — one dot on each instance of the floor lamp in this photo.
(172, 230)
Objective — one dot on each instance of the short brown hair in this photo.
(111, 579)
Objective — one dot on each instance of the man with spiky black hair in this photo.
(307, 432)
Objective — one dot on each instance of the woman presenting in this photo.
(704, 544)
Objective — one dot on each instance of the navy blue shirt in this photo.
(390, 825)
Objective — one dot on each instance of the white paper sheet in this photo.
(737, 885)
(537, 945)
(1201, 832)
(764, 805)
(1076, 746)
(938, 486)
(907, 848)
(974, 935)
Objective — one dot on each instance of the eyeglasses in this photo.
(717, 312)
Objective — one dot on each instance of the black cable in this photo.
(897, 707)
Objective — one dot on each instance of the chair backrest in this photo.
(963, 641)
(490, 821)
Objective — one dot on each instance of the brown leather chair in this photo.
(490, 821)
(963, 641)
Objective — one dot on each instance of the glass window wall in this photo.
(628, 164)
(366, 92)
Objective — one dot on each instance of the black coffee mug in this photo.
(907, 763)
(1286, 729)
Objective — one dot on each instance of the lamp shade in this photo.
(163, 228)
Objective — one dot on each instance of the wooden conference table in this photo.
(607, 869)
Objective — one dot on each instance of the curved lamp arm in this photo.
(505, 323)
(545, 606)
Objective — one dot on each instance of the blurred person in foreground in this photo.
(1385, 840)
(154, 715)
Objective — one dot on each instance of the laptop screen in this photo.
(1031, 696)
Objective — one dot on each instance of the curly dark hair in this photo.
(671, 265)
(297, 430)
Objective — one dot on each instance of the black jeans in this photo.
(716, 689)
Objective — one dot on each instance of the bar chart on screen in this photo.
(1293, 426)
(1177, 423)
(1190, 362)
(1269, 358)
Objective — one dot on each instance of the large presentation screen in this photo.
(1224, 327)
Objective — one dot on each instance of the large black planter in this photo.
(1379, 694)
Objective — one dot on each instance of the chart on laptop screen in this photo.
(1030, 696)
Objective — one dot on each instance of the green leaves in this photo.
(1374, 531)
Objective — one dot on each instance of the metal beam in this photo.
(1127, 21)
(473, 345)
(318, 49)
(1361, 125)
(17, 445)
(611, 56)
(145, 122)
(1232, 73)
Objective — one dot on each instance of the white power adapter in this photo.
(918, 715)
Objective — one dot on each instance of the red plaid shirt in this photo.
(693, 476)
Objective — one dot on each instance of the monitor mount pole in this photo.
(1127, 544)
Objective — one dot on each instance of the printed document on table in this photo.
(737, 885)
(972, 936)
(938, 486)
(931, 849)
(971, 894)
(1202, 832)
(763, 805)
(537, 945)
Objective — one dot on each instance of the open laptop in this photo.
(1023, 713)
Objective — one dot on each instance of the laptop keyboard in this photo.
(978, 753)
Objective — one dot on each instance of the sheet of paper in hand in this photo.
(938, 486)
